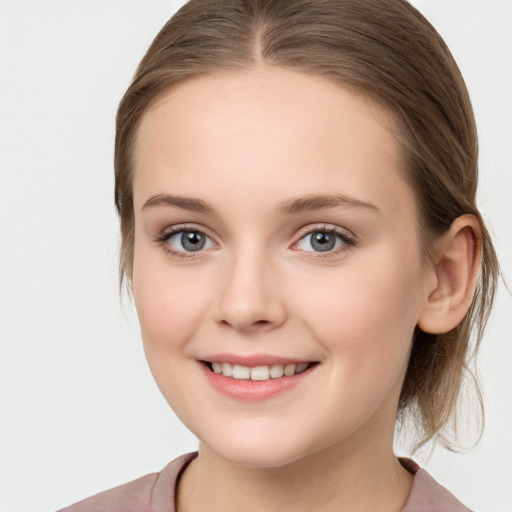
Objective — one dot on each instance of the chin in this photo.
(264, 451)
(260, 458)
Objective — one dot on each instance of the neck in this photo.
(337, 479)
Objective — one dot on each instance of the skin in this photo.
(245, 142)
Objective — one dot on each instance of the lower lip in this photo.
(253, 390)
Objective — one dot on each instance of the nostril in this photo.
(247, 325)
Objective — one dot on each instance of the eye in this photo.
(182, 241)
(324, 240)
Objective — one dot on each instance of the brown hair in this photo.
(387, 51)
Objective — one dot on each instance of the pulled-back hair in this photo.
(387, 51)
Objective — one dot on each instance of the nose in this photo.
(250, 298)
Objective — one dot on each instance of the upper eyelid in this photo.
(306, 230)
(178, 228)
(171, 231)
(315, 226)
(301, 233)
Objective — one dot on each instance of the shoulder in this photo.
(427, 495)
(150, 493)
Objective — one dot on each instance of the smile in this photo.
(257, 373)
(254, 377)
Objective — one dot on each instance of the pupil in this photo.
(322, 241)
(192, 240)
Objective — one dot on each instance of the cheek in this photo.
(366, 326)
(170, 303)
(170, 306)
(365, 314)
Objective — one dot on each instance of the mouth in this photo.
(257, 373)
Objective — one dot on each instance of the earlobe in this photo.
(456, 273)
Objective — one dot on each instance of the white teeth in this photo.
(289, 370)
(263, 372)
(241, 372)
(276, 371)
(227, 369)
(260, 373)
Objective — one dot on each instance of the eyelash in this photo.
(169, 233)
(347, 241)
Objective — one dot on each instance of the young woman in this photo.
(296, 186)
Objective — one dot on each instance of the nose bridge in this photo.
(248, 295)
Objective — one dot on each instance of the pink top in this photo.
(155, 493)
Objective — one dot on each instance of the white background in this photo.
(79, 409)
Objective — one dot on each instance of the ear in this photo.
(456, 272)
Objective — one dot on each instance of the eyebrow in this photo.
(186, 203)
(287, 207)
(322, 202)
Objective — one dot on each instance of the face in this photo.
(276, 239)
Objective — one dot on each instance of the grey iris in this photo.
(192, 240)
(322, 241)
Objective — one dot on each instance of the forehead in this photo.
(266, 129)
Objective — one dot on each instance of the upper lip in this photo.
(252, 360)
